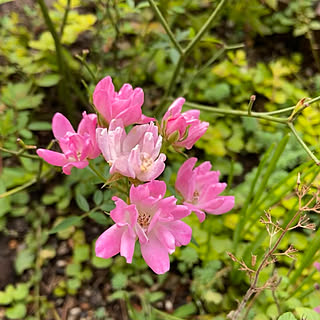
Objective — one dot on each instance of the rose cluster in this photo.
(148, 216)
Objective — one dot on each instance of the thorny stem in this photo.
(253, 288)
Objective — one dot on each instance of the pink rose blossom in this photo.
(77, 147)
(154, 220)
(200, 189)
(187, 126)
(125, 104)
(136, 154)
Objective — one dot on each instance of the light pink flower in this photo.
(317, 309)
(185, 127)
(200, 189)
(317, 265)
(154, 220)
(77, 147)
(125, 104)
(136, 155)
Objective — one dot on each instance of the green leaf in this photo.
(99, 217)
(5, 298)
(73, 270)
(306, 313)
(39, 126)
(24, 260)
(100, 263)
(48, 80)
(287, 316)
(82, 202)
(66, 223)
(81, 253)
(186, 310)
(98, 197)
(18, 311)
(21, 292)
(119, 281)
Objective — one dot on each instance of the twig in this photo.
(65, 18)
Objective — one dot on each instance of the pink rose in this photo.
(77, 147)
(154, 220)
(136, 154)
(125, 104)
(184, 128)
(200, 189)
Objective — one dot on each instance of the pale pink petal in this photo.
(124, 213)
(128, 241)
(317, 309)
(219, 205)
(200, 214)
(60, 126)
(109, 242)
(185, 183)
(317, 265)
(155, 255)
(212, 191)
(181, 232)
(166, 238)
(154, 171)
(144, 119)
(52, 157)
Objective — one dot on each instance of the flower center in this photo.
(146, 162)
(195, 197)
(144, 219)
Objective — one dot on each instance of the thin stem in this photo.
(313, 157)
(253, 287)
(251, 102)
(166, 26)
(204, 28)
(83, 60)
(54, 34)
(240, 113)
(65, 18)
(19, 154)
(97, 173)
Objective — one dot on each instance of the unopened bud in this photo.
(253, 260)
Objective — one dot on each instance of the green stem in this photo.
(313, 157)
(97, 173)
(240, 113)
(19, 154)
(204, 28)
(84, 62)
(65, 18)
(166, 26)
(54, 34)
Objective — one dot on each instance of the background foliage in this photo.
(49, 222)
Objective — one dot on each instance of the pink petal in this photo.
(124, 213)
(317, 309)
(175, 109)
(220, 205)
(128, 241)
(155, 255)
(317, 265)
(154, 170)
(108, 244)
(52, 157)
(200, 214)
(181, 232)
(185, 183)
(60, 126)
(165, 237)
(78, 164)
